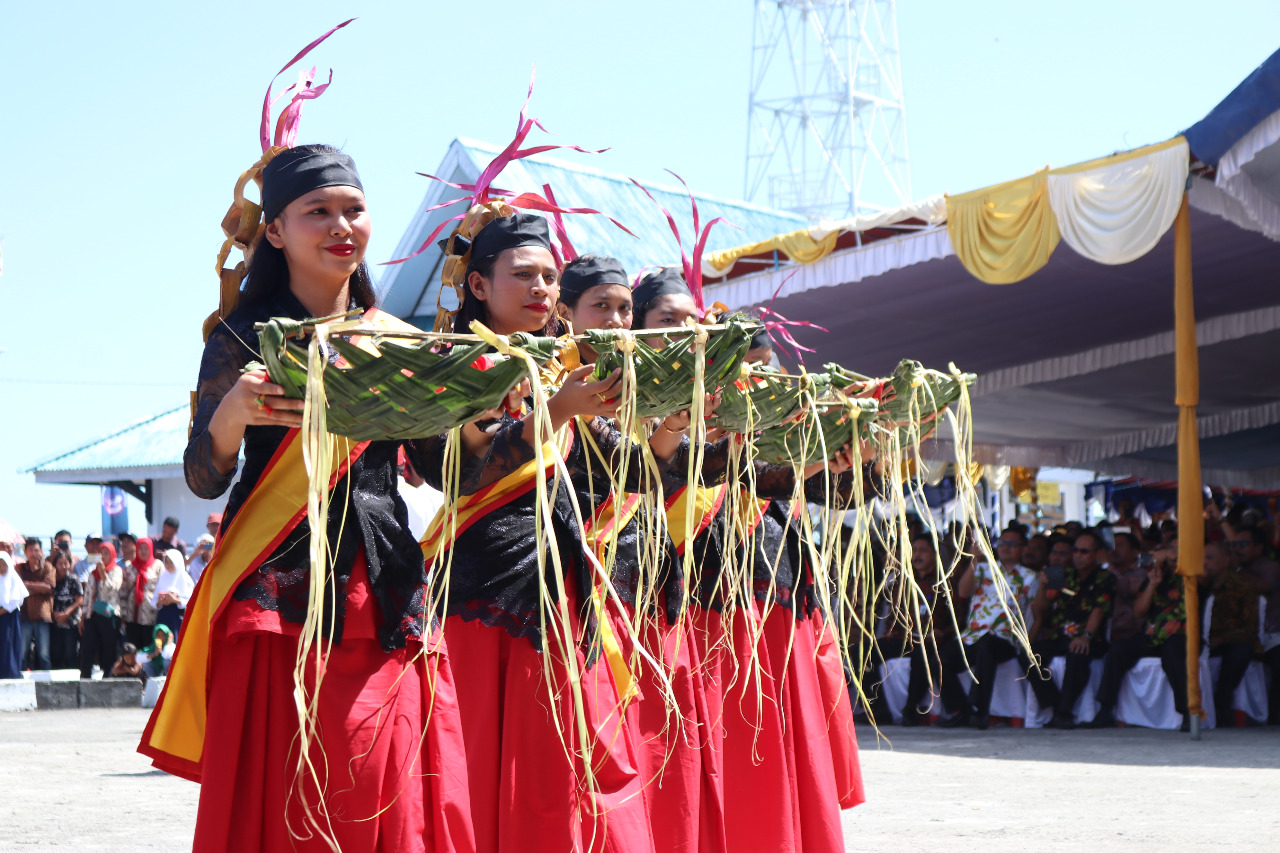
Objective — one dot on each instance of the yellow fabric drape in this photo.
(1190, 496)
(1004, 233)
(799, 246)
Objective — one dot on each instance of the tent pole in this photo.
(1190, 499)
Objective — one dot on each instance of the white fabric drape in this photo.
(1117, 211)
(931, 210)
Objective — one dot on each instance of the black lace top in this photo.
(494, 576)
(375, 520)
(781, 569)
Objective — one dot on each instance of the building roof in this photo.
(409, 290)
(155, 443)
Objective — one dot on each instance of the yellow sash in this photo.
(707, 502)
(174, 736)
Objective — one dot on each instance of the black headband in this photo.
(588, 271)
(506, 232)
(297, 171)
(761, 340)
(660, 283)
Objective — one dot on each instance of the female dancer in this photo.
(683, 789)
(384, 767)
(523, 632)
(781, 790)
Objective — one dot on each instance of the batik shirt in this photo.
(987, 607)
(1077, 599)
(1167, 616)
(1235, 613)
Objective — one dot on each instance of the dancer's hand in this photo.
(256, 401)
(579, 396)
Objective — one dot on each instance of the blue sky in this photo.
(125, 127)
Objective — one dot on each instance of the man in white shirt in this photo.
(986, 639)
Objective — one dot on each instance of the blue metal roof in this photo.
(158, 440)
(578, 185)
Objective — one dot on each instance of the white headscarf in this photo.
(12, 589)
(176, 581)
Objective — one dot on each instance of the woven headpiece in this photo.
(243, 225)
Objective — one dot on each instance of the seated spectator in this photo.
(173, 590)
(12, 593)
(1249, 547)
(905, 637)
(1036, 557)
(128, 666)
(157, 656)
(68, 596)
(1059, 552)
(1130, 577)
(1071, 613)
(986, 640)
(1163, 611)
(1233, 624)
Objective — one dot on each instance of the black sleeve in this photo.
(220, 367)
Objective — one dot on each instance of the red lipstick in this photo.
(540, 307)
(342, 250)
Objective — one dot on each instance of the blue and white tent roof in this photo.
(409, 290)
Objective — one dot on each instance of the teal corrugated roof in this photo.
(158, 440)
(577, 185)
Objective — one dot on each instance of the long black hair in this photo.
(477, 309)
(268, 272)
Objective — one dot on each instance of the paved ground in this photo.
(71, 779)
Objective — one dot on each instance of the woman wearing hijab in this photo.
(172, 590)
(100, 632)
(382, 766)
(12, 593)
(137, 596)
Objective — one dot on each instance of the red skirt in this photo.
(681, 757)
(525, 792)
(790, 762)
(839, 710)
(388, 748)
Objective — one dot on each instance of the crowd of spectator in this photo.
(113, 610)
(1111, 593)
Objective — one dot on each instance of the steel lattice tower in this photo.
(827, 128)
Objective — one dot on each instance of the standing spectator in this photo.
(200, 557)
(128, 549)
(1130, 578)
(37, 610)
(1249, 546)
(137, 591)
(172, 591)
(68, 597)
(987, 638)
(62, 541)
(1163, 611)
(84, 568)
(169, 540)
(213, 524)
(100, 633)
(1233, 624)
(1071, 626)
(12, 593)
(421, 501)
